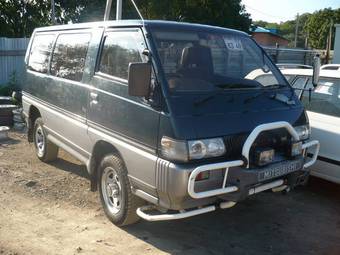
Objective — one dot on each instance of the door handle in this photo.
(94, 97)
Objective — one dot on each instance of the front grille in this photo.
(234, 145)
(278, 139)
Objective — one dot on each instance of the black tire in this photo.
(126, 214)
(48, 151)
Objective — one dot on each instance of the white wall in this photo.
(336, 58)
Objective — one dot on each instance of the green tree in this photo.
(287, 29)
(318, 25)
(19, 17)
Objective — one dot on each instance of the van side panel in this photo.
(62, 104)
(112, 111)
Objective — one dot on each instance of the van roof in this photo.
(139, 23)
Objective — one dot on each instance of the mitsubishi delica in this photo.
(166, 116)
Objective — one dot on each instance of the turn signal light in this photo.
(203, 176)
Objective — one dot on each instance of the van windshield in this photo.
(205, 61)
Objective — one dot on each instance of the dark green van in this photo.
(165, 115)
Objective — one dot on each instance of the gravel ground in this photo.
(49, 209)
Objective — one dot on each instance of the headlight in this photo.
(197, 149)
(207, 148)
(303, 132)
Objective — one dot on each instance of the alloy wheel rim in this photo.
(40, 141)
(111, 190)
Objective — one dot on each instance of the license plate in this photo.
(279, 170)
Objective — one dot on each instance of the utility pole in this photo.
(296, 30)
(329, 43)
(53, 12)
(306, 40)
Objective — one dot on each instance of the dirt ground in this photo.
(49, 209)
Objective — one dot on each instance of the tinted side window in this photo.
(40, 52)
(69, 55)
(330, 68)
(325, 98)
(120, 49)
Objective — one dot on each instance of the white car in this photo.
(323, 109)
(331, 67)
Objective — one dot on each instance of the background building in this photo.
(269, 37)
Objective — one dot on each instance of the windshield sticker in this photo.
(233, 44)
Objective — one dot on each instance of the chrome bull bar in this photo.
(245, 153)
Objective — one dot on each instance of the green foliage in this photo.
(318, 26)
(8, 88)
(287, 29)
(18, 18)
(314, 26)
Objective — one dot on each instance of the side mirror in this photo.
(316, 70)
(139, 79)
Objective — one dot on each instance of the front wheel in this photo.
(119, 203)
(46, 151)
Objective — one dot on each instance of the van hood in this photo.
(201, 116)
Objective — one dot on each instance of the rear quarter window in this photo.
(40, 52)
(68, 60)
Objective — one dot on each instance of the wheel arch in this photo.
(33, 114)
(100, 150)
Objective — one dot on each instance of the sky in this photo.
(283, 10)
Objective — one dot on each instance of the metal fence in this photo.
(291, 56)
(296, 56)
(12, 53)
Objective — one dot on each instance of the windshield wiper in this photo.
(204, 100)
(264, 90)
(279, 97)
(235, 86)
(221, 87)
(209, 97)
(247, 100)
(275, 86)
(283, 98)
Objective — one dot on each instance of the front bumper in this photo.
(231, 180)
(244, 178)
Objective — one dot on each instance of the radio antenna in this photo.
(136, 7)
(119, 10)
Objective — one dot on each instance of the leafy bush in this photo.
(8, 88)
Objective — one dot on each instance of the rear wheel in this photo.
(119, 203)
(46, 151)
